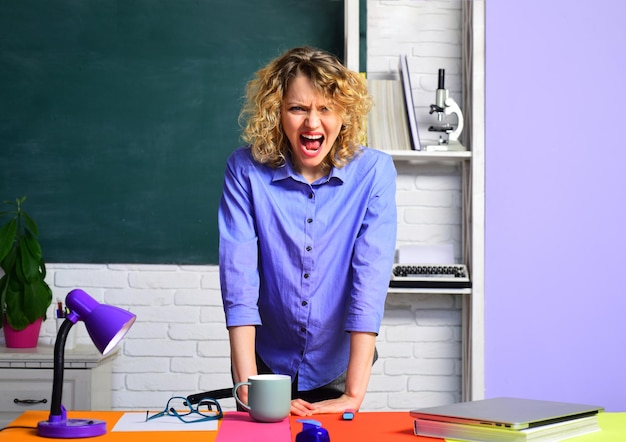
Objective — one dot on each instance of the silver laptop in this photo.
(506, 412)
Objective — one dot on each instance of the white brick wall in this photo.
(179, 344)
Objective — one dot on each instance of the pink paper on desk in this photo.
(239, 426)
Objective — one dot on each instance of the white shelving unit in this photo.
(473, 171)
(26, 380)
(473, 178)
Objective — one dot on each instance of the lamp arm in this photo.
(59, 365)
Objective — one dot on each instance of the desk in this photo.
(366, 426)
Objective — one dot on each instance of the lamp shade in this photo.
(106, 324)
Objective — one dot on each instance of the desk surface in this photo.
(366, 426)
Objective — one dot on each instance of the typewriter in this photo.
(450, 276)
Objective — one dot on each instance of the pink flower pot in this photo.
(26, 338)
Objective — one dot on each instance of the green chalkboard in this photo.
(116, 117)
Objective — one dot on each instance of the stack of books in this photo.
(543, 433)
(391, 124)
(387, 123)
(507, 420)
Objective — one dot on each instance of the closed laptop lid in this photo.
(506, 412)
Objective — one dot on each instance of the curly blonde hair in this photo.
(260, 116)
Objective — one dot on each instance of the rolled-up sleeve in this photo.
(238, 249)
(374, 252)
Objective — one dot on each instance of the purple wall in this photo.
(555, 285)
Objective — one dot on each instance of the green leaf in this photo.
(7, 237)
(30, 265)
(9, 261)
(43, 269)
(18, 272)
(29, 306)
(18, 321)
(15, 314)
(33, 246)
(42, 298)
(30, 224)
(4, 284)
(12, 295)
(37, 299)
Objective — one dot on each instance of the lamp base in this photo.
(72, 428)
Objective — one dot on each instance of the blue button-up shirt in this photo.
(307, 263)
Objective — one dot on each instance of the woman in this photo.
(307, 227)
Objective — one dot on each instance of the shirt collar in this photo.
(287, 171)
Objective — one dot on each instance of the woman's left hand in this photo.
(301, 407)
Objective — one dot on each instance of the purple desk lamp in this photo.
(106, 326)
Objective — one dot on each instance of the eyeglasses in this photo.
(181, 408)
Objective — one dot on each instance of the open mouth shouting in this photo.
(311, 143)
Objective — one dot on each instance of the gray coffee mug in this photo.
(269, 397)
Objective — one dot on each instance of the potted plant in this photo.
(24, 295)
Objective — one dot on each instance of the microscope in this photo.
(445, 106)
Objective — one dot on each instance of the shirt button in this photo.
(302, 329)
(310, 196)
(310, 220)
(306, 276)
(309, 248)
(304, 303)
